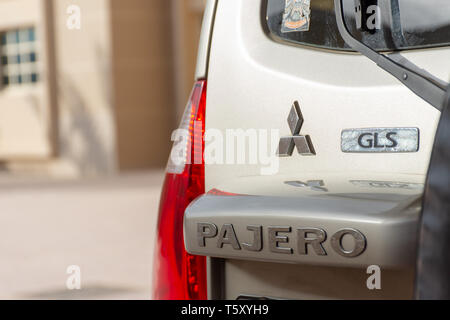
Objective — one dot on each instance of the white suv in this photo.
(299, 168)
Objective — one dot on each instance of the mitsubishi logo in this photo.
(302, 143)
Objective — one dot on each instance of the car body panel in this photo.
(204, 45)
(389, 228)
(253, 81)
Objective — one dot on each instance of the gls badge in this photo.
(380, 140)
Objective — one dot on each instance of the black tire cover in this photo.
(433, 260)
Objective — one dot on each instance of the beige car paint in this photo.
(252, 82)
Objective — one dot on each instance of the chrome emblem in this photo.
(307, 239)
(380, 140)
(302, 143)
(387, 184)
(315, 185)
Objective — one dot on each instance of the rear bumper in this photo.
(389, 230)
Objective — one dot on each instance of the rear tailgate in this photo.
(253, 82)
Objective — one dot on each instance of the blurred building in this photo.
(93, 87)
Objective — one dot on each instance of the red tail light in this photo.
(177, 274)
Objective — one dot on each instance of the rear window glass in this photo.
(383, 25)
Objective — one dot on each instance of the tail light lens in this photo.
(177, 274)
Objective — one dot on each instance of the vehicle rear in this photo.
(313, 168)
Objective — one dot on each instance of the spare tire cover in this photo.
(433, 260)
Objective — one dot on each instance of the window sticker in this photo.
(296, 16)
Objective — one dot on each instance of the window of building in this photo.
(18, 59)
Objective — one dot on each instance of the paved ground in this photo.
(104, 226)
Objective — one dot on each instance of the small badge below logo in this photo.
(315, 185)
(302, 143)
(380, 140)
(296, 16)
(387, 184)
